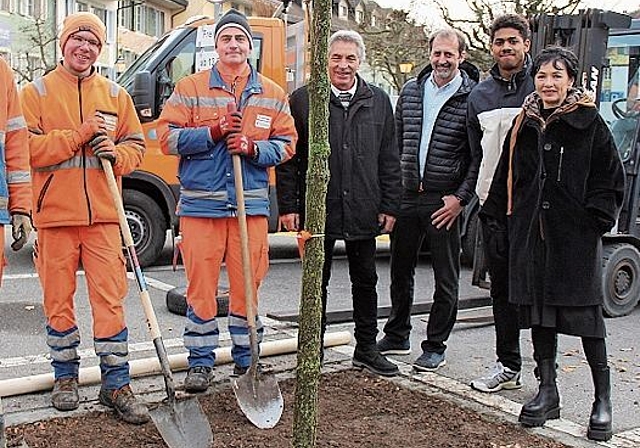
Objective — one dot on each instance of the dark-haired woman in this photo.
(559, 186)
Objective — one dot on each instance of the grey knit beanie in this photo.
(234, 18)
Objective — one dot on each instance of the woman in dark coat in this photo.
(559, 186)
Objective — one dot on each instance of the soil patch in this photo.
(356, 410)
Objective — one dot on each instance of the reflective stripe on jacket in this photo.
(15, 178)
(70, 188)
(206, 169)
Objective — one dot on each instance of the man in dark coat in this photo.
(364, 189)
(439, 174)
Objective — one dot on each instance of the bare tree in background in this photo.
(34, 49)
(264, 8)
(398, 40)
(475, 23)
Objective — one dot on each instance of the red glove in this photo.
(91, 127)
(231, 122)
(241, 144)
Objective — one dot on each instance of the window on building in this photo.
(359, 16)
(39, 9)
(82, 7)
(100, 12)
(25, 63)
(124, 17)
(343, 10)
(151, 22)
(27, 8)
(138, 14)
(161, 29)
(373, 20)
(147, 20)
(104, 70)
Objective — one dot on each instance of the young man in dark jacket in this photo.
(364, 188)
(439, 173)
(492, 106)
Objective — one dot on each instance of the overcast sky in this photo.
(613, 5)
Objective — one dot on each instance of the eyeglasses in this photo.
(80, 41)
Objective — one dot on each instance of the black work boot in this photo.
(128, 407)
(370, 358)
(546, 404)
(197, 379)
(64, 396)
(600, 420)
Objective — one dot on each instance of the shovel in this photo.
(258, 394)
(181, 423)
(3, 438)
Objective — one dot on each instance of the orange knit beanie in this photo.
(82, 21)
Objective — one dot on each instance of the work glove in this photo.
(91, 127)
(242, 145)
(104, 148)
(231, 122)
(20, 229)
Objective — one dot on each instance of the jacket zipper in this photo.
(45, 187)
(84, 155)
(234, 84)
(560, 164)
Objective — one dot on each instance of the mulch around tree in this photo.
(356, 410)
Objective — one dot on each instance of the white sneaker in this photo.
(501, 378)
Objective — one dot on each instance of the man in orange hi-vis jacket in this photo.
(198, 125)
(76, 118)
(15, 178)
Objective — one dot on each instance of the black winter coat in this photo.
(364, 165)
(451, 167)
(568, 187)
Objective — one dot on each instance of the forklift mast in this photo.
(586, 34)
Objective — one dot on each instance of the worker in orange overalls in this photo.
(76, 118)
(197, 124)
(15, 178)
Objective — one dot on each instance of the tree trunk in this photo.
(308, 369)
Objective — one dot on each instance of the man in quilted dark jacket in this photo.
(439, 174)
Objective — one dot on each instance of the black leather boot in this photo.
(546, 404)
(600, 420)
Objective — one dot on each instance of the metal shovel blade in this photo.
(183, 424)
(259, 398)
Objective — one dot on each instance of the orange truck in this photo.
(151, 193)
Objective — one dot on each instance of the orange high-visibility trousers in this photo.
(206, 243)
(58, 252)
(3, 260)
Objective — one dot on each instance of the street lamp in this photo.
(405, 69)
